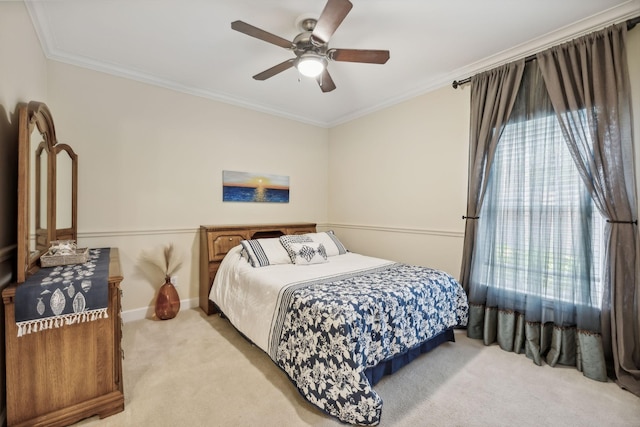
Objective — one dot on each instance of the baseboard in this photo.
(148, 312)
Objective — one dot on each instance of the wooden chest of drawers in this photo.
(59, 376)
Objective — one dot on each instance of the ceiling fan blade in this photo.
(331, 17)
(359, 55)
(325, 81)
(275, 70)
(256, 32)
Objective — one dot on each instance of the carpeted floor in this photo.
(196, 370)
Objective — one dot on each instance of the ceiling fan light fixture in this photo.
(311, 64)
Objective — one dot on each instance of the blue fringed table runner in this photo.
(64, 295)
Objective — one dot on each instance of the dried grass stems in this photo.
(167, 263)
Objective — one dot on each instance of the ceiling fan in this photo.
(311, 46)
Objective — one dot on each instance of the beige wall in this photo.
(23, 71)
(22, 78)
(23, 68)
(398, 177)
(398, 180)
(392, 184)
(151, 162)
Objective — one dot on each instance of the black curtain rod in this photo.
(631, 23)
(457, 83)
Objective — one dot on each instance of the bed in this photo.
(334, 321)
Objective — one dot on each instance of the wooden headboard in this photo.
(217, 240)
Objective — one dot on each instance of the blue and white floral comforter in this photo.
(325, 330)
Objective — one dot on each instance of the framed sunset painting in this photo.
(254, 187)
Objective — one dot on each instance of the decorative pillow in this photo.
(288, 239)
(308, 253)
(330, 241)
(263, 252)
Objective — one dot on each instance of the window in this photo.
(540, 238)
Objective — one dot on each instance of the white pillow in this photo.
(263, 252)
(330, 241)
(288, 239)
(308, 253)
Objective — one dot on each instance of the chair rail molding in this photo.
(394, 229)
(140, 232)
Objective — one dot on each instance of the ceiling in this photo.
(189, 46)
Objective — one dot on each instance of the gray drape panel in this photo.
(538, 341)
(527, 292)
(588, 84)
(492, 96)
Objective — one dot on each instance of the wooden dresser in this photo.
(217, 240)
(59, 376)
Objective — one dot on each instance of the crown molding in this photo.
(52, 52)
(598, 21)
(615, 15)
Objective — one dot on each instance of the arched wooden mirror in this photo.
(47, 187)
(66, 191)
(39, 221)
